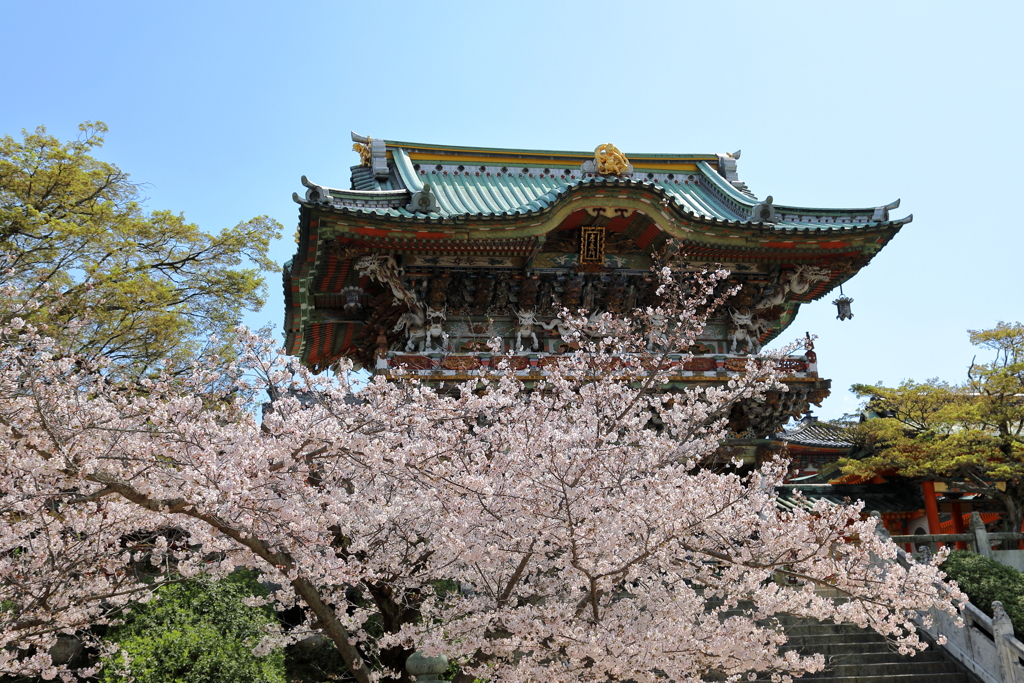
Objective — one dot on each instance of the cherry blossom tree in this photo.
(565, 533)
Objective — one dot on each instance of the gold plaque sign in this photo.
(592, 245)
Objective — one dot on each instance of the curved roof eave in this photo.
(567, 193)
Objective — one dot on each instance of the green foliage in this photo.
(74, 237)
(198, 632)
(970, 435)
(985, 580)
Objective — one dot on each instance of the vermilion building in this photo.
(429, 251)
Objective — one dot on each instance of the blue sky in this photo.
(219, 107)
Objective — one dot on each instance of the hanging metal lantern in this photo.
(843, 304)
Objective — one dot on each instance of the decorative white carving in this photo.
(527, 319)
(435, 326)
(382, 268)
(421, 326)
(414, 323)
(747, 329)
(797, 281)
(804, 276)
(563, 329)
(596, 325)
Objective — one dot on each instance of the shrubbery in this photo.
(200, 632)
(985, 580)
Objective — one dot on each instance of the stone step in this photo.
(840, 647)
(858, 655)
(814, 641)
(822, 629)
(898, 678)
(885, 657)
(891, 669)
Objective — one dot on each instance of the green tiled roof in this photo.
(881, 497)
(812, 433)
(533, 185)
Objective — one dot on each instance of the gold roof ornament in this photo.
(365, 153)
(610, 161)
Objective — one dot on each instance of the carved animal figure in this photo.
(435, 327)
(421, 326)
(527, 319)
(596, 325)
(805, 276)
(610, 161)
(414, 323)
(746, 329)
(382, 268)
(563, 330)
(365, 153)
(797, 281)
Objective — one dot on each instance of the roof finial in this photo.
(372, 153)
(881, 214)
(610, 161)
(364, 152)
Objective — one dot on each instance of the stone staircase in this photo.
(856, 655)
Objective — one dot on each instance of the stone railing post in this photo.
(981, 542)
(428, 669)
(1002, 628)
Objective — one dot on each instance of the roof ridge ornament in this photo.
(727, 169)
(315, 194)
(372, 153)
(364, 152)
(881, 214)
(765, 212)
(424, 201)
(608, 160)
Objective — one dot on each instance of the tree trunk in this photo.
(393, 615)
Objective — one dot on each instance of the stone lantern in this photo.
(426, 669)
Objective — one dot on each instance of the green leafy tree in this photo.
(74, 237)
(970, 435)
(197, 632)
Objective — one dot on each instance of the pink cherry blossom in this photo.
(549, 534)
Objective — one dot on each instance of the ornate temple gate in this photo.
(434, 251)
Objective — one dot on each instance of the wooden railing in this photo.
(978, 539)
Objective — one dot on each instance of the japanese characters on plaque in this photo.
(592, 245)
